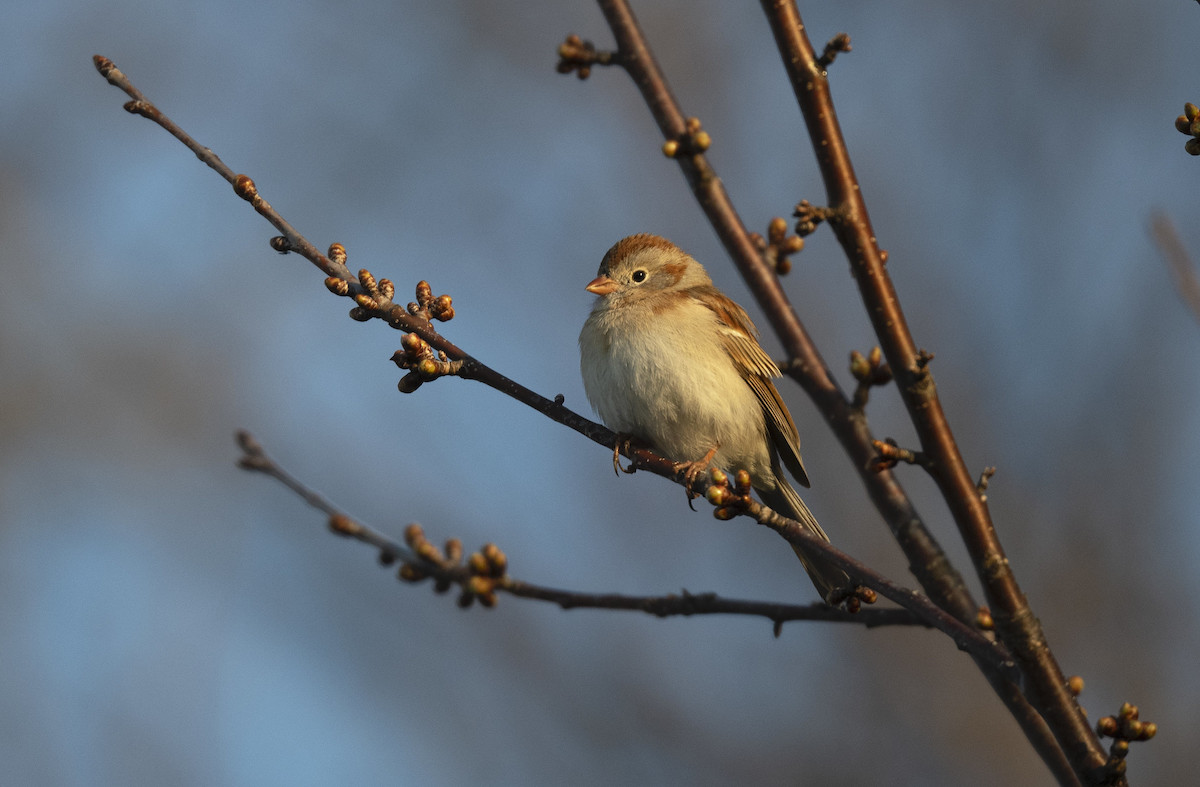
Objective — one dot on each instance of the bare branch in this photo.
(446, 568)
(1015, 622)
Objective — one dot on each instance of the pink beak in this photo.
(601, 285)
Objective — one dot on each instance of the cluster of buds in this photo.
(729, 500)
(1189, 123)
(836, 45)
(373, 296)
(692, 142)
(579, 56)
(1124, 728)
(809, 217)
(415, 354)
(981, 485)
(778, 245)
(486, 569)
(423, 363)
(889, 454)
(428, 307)
(870, 371)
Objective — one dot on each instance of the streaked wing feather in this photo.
(781, 427)
(758, 368)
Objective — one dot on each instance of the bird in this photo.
(671, 361)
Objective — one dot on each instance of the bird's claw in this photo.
(622, 442)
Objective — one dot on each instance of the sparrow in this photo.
(671, 361)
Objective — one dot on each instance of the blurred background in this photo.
(168, 619)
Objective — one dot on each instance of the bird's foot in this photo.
(693, 470)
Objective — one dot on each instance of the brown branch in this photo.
(447, 571)
(1015, 622)
(1183, 267)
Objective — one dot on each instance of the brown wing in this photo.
(758, 368)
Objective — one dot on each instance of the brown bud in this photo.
(724, 514)
(337, 253)
(1191, 111)
(413, 534)
(412, 342)
(103, 65)
(1075, 685)
(496, 559)
(670, 148)
(859, 366)
(344, 525)
(478, 564)
(410, 573)
(427, 551)
(337, 286)
(244, 187)
(701, 140)
(424, 292)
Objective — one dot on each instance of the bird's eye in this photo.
(639, 276)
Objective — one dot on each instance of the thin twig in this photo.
(255, 458)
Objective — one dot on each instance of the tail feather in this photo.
(827, 577)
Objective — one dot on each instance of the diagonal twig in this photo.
(254, 458)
